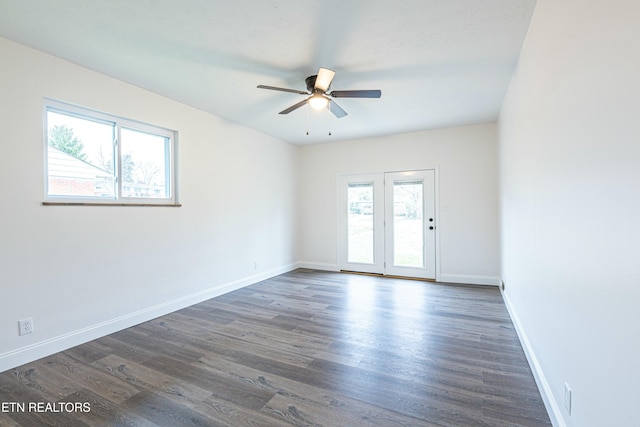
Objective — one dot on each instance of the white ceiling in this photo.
(439, 63)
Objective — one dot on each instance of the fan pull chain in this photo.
(307, 119)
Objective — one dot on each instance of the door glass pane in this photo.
(360, 223)
(408, 234)
(145, 160)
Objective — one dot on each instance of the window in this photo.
(93, 157)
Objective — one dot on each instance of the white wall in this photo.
(466, 160)
(81, 272)
(570, 196)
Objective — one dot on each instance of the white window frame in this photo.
(118, 123)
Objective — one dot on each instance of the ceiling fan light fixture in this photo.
(318, 87)
(318, 102)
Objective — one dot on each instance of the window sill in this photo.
(156, 205)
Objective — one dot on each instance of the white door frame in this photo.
(378, 268)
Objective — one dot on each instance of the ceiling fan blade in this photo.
(281, 89)
(294, 107)
(324, 79)
(356, 94)
(336, 109)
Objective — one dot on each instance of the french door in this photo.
(386, 223)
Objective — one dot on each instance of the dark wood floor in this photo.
(305, 348)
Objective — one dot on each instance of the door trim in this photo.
(341, 247)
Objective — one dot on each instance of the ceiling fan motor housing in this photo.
(311, 83)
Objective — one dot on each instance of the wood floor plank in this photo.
(48, 383)
(165, 412)
(306, 348)
(319, 404)
(272, 337)
(7, 421)
(224, 345)
(197, 398)
(98, 382)
(335, 413)
(238, 392)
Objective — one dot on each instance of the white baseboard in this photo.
(543, 385)
(448, 278)
(469, 279)
(318, 266)
(44, 348)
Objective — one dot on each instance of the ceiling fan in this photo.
(318, 88)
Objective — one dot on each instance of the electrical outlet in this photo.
(25, 326)
(567, 398)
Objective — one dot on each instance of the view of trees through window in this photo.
(62, 138)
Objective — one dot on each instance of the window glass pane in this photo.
(408, 235)
(360, 223)
(80, 156)
(145, 160)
